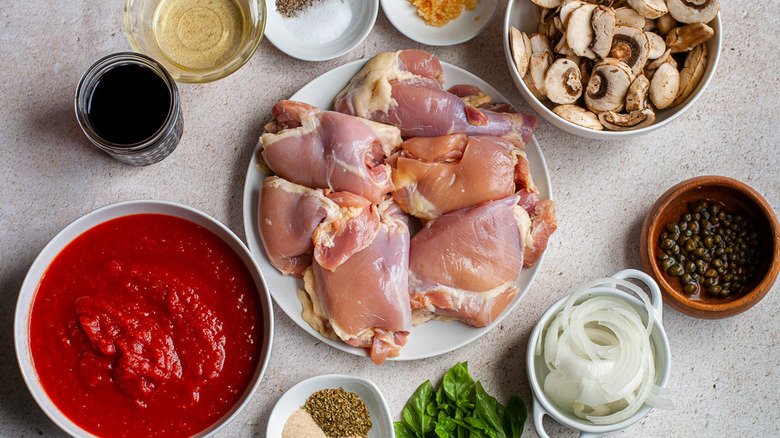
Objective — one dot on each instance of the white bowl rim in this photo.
(543, 406)
(607, 134)
(60, 241)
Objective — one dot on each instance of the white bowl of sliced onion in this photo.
(598, 360)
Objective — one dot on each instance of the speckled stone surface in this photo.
(724, 379)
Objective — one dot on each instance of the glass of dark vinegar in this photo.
(128, 106)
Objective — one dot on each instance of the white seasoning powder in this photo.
(322, 22)
(301, 425)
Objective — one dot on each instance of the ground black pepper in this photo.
(291, 8)
(339, 413)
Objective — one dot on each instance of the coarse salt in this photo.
(322, 22)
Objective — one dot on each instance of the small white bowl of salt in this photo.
(319, 30)
(331, 405)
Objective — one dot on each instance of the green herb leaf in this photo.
(415, 412)
(445, 427)
(489, 409)
(516, 414)
(481, 425)
(457, 383)
(402, 430)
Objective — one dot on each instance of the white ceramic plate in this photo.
(323, 31)
(524, 15)
(426, 340)
(296, 396)
(90, 220)
(469, 24)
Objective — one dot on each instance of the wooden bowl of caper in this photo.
(713, 245)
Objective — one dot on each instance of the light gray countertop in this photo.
(724, 380)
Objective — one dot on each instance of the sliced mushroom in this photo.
(663, 59)
(521, 50)
(563, 82)
(586, 66)
(603, 24)
(608, 85)
(693, 11)
(541, 59)
(630, 45)
(664, 86)
(636, 98)
(691, 73)
(649, 8)
(567, 8)
(579, 33)
(629, 17)
(625, 122)
(683, 39)
(562, 48)
(657, 45)
(549, 4)
(529, 82)
(579, 116)
(665, 23)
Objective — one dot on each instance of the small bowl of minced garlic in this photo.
(331, 405)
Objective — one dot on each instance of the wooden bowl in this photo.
(735, 197)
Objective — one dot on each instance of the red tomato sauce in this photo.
(146, 325)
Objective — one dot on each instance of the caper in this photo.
(707, 282)
(676, 249)
(689, 266)
(728, 277)
(689, 288)
(711, 273)
(721, 215)
(676, 270)
(708, 242)
(686, 217)
(714, 209)
(666, 264)
(686, 278)
(717, 263)
(698, 252)
(690, 245)
(705, 215)
(667, 244)
(721, 270)
(714, 289)
(672, 227)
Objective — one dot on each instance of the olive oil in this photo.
(129, 104)
(199, 34)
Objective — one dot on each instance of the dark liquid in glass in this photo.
(129, 104)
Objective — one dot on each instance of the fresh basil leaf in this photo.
(516, 414)
(402, 430)
(481, 425)
(467, 430)
(415, 410)
(457, 383)
(445, 427)
(489, 409)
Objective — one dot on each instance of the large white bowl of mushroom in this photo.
(612, 69)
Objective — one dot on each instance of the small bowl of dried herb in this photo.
(332, 406)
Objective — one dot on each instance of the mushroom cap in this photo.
(629, 17)
(608, 85)
(636, 98)
(563, 83)
(603, 24)
(685, 38)
(691, 73)
(630, 45)
(665, 23)
(664, 86)
(626, 122)
(657, 45)
(541, 59)
(649, 8)
(579, 32)
(693, 11)
(521, 50)
(579, 116)
(567, 7)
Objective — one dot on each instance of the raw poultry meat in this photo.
(362, 299)
(329, 150)
(404, 89)
(466, 265)
(287, 215)
(437, 175)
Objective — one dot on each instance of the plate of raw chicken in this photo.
(391, 208)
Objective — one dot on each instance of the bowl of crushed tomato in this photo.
(143, 318)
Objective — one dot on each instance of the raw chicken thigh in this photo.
(404, 89)
(287, 215)
(329, 150)
(466, 264)
(363, 297)
(437, 175)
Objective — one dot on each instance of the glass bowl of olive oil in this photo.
(197, 41)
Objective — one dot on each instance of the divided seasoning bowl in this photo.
(735, 198)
